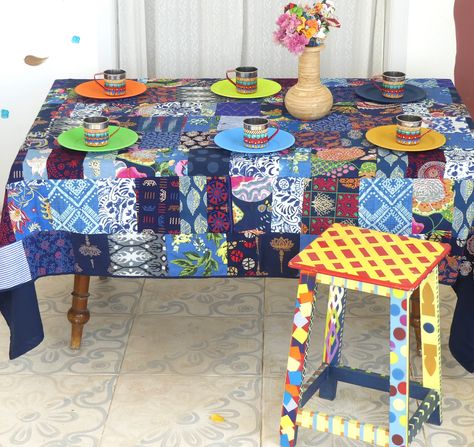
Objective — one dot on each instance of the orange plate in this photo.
(90, 89)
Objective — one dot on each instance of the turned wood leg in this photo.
(78, 314)
(415, 318)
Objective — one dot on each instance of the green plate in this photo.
(265, 87)
(74, 139)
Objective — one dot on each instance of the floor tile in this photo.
(107, 296)
(194, 345)
(103, 346)
(172, 411)
(365, 344)
(203, 297)
(46, 411)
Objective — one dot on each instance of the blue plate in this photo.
(372, 93)
(233, 140)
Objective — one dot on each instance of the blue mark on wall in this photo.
(4, 114)
(76, 39)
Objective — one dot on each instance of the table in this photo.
(176, 205)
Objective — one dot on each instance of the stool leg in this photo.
(303, 316)
(399, 364)
(430, 336)
(333, 337)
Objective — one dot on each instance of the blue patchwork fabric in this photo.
(238, 108)
(74, 205)
(29, 208)
(49, 253)
(159, 140)
(391, 164)
(117, 210)
(296, 163)
(91, 254)
(197, 255)
(287, 204)
(386, 205)
(201, 123)
(193, 205)
(97, 165)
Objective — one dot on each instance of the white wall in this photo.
(421, 38)
(45, 28)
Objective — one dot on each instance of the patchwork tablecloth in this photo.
(176, 205)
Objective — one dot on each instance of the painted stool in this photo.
(347, 257)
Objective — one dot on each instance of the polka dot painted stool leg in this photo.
(333, 337)
(303, 316)
(399, 361)
(431, 345)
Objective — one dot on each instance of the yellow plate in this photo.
(385, 136)
(265, 87)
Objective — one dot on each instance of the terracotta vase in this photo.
(309, 99)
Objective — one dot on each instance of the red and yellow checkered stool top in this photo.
(369, 256)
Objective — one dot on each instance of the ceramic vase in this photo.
(309, 99)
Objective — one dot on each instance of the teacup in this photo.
(96, 130)
(393, 84)
(245, 79)
(256, 133)
(115, 82)
(409, 130)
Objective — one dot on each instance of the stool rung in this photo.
(422, 414)
(347, 428)
(354, 376)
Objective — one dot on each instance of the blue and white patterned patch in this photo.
(391, 164)
(287, 204)
(386, 205)
(74, 205)
(117, 210)
(97, 165)
(34, 164)
(193, 204)
(258, 166)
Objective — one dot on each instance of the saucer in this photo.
(233, 140)
(265, 87)
(372, 93)
(74, 139)
(90, 89)
(384, 136)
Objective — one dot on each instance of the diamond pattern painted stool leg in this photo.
(399, 361)
(333, 337)
(431, 346)
(304, 310)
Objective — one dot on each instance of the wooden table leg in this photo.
(415, 318)
(78, 314)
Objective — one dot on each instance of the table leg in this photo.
(78, 314)
(415, 318)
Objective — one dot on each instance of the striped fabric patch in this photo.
(13, 273)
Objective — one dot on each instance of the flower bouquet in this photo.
(308, 25)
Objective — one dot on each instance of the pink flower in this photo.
(416, 227)
(129, 173)
(181, 168)
(296, 43)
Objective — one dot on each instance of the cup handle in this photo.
(277, 130)
(228, 78)
(96, 81)
(426, 133)
(373, 79)
(117, 123)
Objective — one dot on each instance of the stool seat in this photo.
(351, 258)
(370, 256)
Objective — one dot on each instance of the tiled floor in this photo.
(159, 357)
